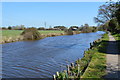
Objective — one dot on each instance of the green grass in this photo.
(50, 31)
(97, 66)
(11, 33)
(14, 33)
(117, 37)
(92, 65)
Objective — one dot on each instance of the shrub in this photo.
(31, 34)
(68, 31)
(4, 28)
(9, 27)
(41, 28)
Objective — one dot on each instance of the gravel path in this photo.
(113, 68)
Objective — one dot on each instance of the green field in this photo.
(14, 33)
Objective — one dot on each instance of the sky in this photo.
(35, 14)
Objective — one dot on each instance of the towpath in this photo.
(113, 61)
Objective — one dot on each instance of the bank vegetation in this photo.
(92, 65)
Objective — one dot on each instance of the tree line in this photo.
(83, 28)
(108, 17)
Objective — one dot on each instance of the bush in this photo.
(41, 28)
(68, 31)
(4, 28)
(9, 27)
(31, 34)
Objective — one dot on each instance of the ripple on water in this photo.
(42, 58)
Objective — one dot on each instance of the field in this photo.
(14, 33)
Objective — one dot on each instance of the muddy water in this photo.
(42, 58)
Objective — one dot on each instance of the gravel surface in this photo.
(113, 55)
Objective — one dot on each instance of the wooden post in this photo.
(68, 69)
(32, 37)
(72, 65)
(54, 77)
(78, 70)
(66, 74)
(57, 73)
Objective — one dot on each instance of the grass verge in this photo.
(92, 65)
(97, 66)
(117, 38)
(14, 35)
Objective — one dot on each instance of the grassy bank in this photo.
(117, 37)
(92, 65)
(14, 35)
(97, 66)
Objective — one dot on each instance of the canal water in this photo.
(42, 58)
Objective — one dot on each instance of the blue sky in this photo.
(53, 13)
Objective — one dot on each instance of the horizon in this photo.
(35, 14)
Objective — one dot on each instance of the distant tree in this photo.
(86, 25)
(9, 27)
(21, 27)
(86, 29)
(41, 28)
(17, 27)
(60, 27)
(4, 28)
(50, 28)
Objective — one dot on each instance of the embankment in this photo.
(92, 65)
(21, 38)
